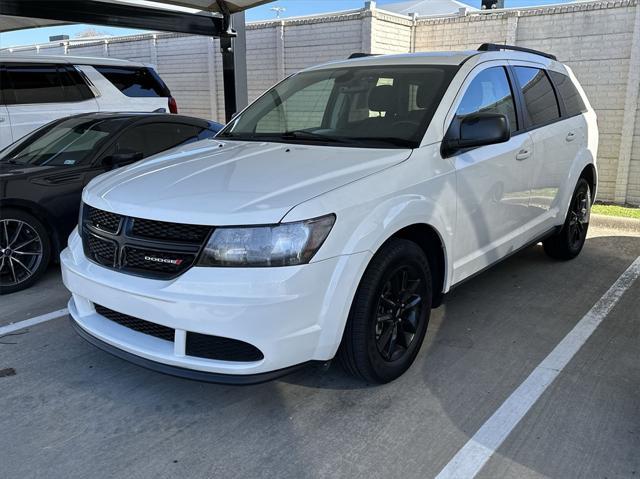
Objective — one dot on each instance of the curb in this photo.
(616, 223)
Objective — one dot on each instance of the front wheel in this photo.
(569, 241)
(25, 250)
(389, 315)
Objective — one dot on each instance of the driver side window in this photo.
(490, 92)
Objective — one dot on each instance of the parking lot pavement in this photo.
(71, 410)
(48, 295)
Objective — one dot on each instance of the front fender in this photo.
(371, 210)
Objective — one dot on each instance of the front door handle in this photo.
(570, 136)
(523, 154)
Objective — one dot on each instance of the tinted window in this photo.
(35, 84)
(4, 86)
(152, 138)
(135, 81)
(573, 103)
(539, 96)
(489, 92)
(67, 143)
(75, 87)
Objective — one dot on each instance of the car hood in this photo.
(233, 182)
(7, 170)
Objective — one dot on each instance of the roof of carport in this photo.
(200, 17)
(196, 17)
(9, 24)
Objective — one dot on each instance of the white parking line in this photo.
(10, 328)
(478, 450)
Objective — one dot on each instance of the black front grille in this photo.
(169, 231)
(149, 248)
(103, 220)
(223, 349)
(140, 325)
(101, 251)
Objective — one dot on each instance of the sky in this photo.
(292, 8)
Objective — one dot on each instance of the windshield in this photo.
(67, 143)
(382, 106)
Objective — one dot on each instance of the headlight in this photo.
(284, 244)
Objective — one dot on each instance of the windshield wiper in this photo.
(310, 135)
(390, 140)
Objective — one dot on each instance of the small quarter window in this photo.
(539, 97)
(570, 96)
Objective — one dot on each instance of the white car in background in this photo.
(35, 90)
(333, 214)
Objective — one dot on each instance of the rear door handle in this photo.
(570, 136)
(523, 154)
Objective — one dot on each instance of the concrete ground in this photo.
(72, 411)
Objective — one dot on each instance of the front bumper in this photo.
(293, 315)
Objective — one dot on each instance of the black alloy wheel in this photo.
(399, 308)
(389, 314)
(569, 241)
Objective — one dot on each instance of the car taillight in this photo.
(173, 106)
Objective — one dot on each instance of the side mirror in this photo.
(121, 159)
(478, 129)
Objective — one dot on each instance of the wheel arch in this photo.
(590, 174)
(431, 243)
(41, 214)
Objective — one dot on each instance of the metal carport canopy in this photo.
(197, 17)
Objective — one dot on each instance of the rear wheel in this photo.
(569, 241)
(389, 315)
(25, 250)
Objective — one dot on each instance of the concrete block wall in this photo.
(391, 33)
(599, 40)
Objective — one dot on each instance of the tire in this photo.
(569, 241)
(397, 275)
(25, 250)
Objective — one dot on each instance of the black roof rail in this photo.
(362, 55)
(495, 47)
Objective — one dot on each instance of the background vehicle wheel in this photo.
(389, 315)
(568, 242)
(25, 250)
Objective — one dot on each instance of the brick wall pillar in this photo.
(280, 60)
(629, 116)
(212, 52)
(368, 31)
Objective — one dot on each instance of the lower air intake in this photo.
(222, 349)
(137, 324)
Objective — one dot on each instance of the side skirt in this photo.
(540, 238)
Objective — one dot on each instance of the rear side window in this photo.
(135, 81)
(539, 97)
(490, 92)
(47, 83)
(34, 84)
(572, 100)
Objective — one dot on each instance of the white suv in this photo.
(36, 90)
(333, 214)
